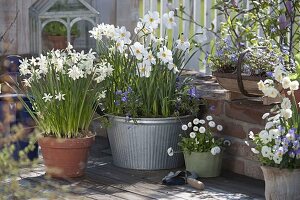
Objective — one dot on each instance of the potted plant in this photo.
(65, 88)
(202, 150)
(56, 34)
(277, 145)
(147, 99)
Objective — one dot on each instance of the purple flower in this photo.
(117, 103)
(290, 136)
(289, 7)
(124, 99)
(283, 23)
(298, 154)
(192, 92)
(118, 92)
(219, 52)
(233, 57)
(281, 128)
(129, 89)
(296, 145)
(279, 152)
(269, 74)
(212, 108)
(273, 29)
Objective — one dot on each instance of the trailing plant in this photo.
(59, 29)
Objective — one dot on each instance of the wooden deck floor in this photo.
(106, 181)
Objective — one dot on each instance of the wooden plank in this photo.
(207, 24)
(176, 29)
(153, 5)
(186, 24)
(163, 9)
(146, 6)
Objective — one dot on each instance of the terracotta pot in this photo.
(58, 42)
(229, 82)
(65, 158)
(281, 184)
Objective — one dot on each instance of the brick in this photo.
(238, 148)
(233, 129)
(234, 164)
(246, 111)
(252, 169)
(216, 107)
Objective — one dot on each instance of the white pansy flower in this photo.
(215, 150)
(219, 127)
(209, 118)
(196, 121)
(169, 20)
(184, 127)
(265, 115)
(170, 151)
(151, 19)
(277, 159)
(192, 135)
(182, 44)
(286, 103)
(247, 143)
(254, 150)
(274, 133)
(269, 125)
(286, 113)
(47, 97)
(270, 92)
(137, 50)
(264, 136)
(190, 124)
(60, 96)
(294, 85)
(195, 128)
(278, 75)
(212, 124)
(165, 55)
(265, 151)
(202, 129)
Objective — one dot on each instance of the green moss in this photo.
(58, 29)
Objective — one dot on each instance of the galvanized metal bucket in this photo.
(143, 144)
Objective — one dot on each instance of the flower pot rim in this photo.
(234, 76)
(277, 168)
(147, 120)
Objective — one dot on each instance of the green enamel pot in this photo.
(203, 163)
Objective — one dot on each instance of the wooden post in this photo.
(127, 13)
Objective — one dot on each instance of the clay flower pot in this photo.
(281, 184)
(65, 158)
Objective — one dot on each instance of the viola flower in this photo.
(170, 151)
(215, 150)
(184, 127)
(192, 135)
(202, 129)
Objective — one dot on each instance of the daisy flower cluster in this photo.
(199, 137)
(278, 144)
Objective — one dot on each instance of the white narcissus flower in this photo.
(196, 121)
(265, 151)
(165, 55)
(169, 20)
(190, 124)
(219, 127)
(137, 50)
(149, 58)
(215, 150)
(184, 127)
(122, 34)
(60, 96)
(192, 135)
(144, 70)
(75, 73)
(151, 19)
(170, 151)
(212, 124)
(286, 113)
(195, 128)
(286, 103)
(202, 129)
(294, 85)
(209, 118)
(47, 97)
(265, 115)
(120, 45)
(26, 83)
(182, 45)
(261, 85)
(286, 82)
